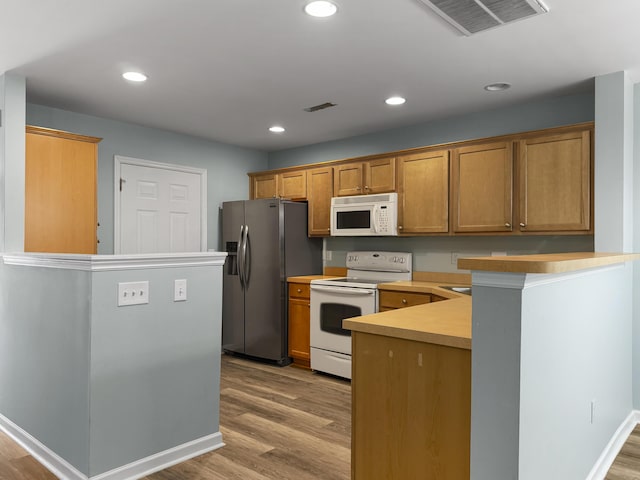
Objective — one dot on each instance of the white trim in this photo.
(118, 160)
(53, 462)
(99, 263)
(160, 461)
(138, 469)
(610, 452)
(498, 279)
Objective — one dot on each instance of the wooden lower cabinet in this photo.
(299, 315)
(390, 300)
(411, 410)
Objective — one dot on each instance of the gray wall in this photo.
(541, 355)
(155, 368)
(103, 386)
(226, 165)
(45, 317)
(12, 136)
(575, 349)
(636, 248)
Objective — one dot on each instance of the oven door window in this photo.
(353, 219)
(332, 314)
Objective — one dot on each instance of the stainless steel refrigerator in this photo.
(266, 241)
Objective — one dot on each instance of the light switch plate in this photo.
(180, 290)
(133, 293)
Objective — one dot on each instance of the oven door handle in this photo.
(343, 290)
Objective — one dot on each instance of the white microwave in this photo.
(365, 215)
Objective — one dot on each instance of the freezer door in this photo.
(233, 298)
(265, 322)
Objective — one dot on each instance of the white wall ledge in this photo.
(95, 263)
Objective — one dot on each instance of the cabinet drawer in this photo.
(299, 290)
(403, 299)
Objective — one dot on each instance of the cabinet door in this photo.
(380, 175)
(319, 193)
(264, 186)
(411, 410)
(60, 192)
(423, 193)
(293, 185)
(482, 186)
(348, 179)
(555, 183)
(299, 315)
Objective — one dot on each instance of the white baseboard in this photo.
(52, 461)
(160, 461)
(610, 452)
(138, 469)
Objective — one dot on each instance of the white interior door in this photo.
(160, 208)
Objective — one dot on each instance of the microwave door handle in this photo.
(376, 226)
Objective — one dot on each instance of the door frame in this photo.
(119, 160)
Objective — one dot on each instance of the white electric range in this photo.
(333, 300)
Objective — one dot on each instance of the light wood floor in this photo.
(277, 423)
(627, 464)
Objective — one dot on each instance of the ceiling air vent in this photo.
(322, 106)
(473, 16)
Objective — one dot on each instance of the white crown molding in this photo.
(99, 263)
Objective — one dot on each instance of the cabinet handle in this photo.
(507, 224)
(299, 290)
(366, 187)
(358, 188)
(399, 227)
(308, 304)
(328, 229)
(522, 225)
(404, 301)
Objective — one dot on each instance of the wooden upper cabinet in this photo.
(293, 185)
(319, 193)
(60, 192)
(362, 178)
(380, 175)
(423, 193)
(264, 186)
(482, 188)
(554, 179)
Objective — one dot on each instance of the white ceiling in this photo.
(226, 70)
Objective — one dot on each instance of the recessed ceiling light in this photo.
(134, 76)
(276, 129)
(497, 87)
(395, 101)
(320, 8)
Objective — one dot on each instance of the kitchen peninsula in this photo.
(548, 331)
(98, 386)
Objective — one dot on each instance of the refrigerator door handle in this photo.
(246, 257)
(240, 260)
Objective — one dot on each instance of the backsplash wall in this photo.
(435, 254)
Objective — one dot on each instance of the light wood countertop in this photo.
(546, 263)
(442, 323)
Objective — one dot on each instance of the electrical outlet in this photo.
(133, 293)
(180, 290)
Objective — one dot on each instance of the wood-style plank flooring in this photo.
(627, 464)
(277, 423)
